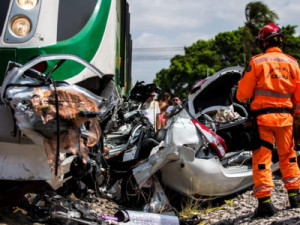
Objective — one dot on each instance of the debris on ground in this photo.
(49, 207)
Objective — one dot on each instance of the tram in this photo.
(96, 31)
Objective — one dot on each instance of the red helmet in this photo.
(268, 31)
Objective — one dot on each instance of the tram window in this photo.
(73, 16)
(3, 12)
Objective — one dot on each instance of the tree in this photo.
(292, 44)
(200, 59)
(226, 49)
(229, 46)
(257, 15)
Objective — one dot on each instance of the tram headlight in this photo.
(27, 4)
(20, 26)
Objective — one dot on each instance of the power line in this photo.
(157, 49)
(155, 53)
(152, 57)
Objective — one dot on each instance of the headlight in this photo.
(27, 4)
(20, 26)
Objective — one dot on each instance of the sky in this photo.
(161, 29)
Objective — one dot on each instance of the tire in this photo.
(133, 195)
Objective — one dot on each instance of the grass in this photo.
(194, 209)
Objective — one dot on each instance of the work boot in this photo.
(294, 198)
(265, 208)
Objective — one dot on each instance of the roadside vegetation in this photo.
(233, 48)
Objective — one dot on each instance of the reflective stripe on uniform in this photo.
(291, 180)
(275, 59)
(268, 93)
(262, 188)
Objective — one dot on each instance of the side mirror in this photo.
(187, 153)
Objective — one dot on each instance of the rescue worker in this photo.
(272, 82)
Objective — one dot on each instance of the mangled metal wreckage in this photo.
(206, 151)
(45, 124)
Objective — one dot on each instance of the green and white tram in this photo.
(95, 30)
(95, 33)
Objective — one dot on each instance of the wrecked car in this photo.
(49, 127)
(201, 155)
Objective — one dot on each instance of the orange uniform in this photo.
(272, 80)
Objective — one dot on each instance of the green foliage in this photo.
(200, 60)
(257, 15)
(227, 49)
(292, 43)
(230, 48)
